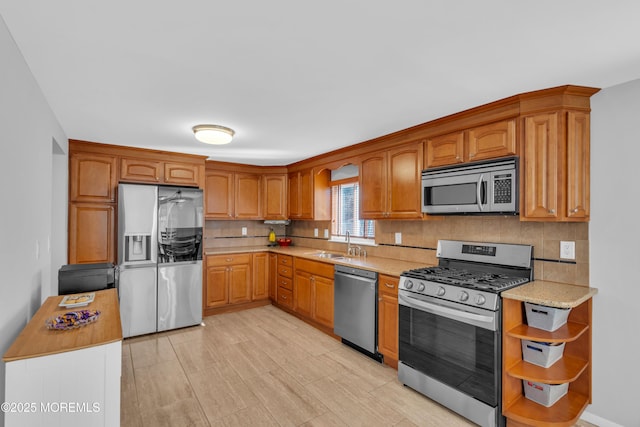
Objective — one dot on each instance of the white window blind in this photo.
(345, 205)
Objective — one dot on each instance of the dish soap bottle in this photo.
(272, 238)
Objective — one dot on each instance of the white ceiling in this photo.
(298, 78)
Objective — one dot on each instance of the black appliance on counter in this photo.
(76, 278)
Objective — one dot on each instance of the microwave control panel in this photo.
(502, 185)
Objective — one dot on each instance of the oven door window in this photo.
(462, 356)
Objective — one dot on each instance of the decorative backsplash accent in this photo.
(419, 239)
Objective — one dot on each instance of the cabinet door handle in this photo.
(229, 259)
(390, 286)
(284, 297)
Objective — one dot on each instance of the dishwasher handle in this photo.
(356, 277)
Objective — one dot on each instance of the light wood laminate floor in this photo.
(263, 367)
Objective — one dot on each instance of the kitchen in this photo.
(609, 233)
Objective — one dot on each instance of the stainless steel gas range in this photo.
(450, 343)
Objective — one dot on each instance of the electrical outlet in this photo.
(326, 233)
(567, 250)
(244, 231)
(315, 232)
(398, 238)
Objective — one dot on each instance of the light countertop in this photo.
(391, 267)
(36, 340)
(551, 294)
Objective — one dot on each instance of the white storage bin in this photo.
(544, 394)
(546, 318)
(541, 353)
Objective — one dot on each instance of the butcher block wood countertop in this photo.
(36, 340)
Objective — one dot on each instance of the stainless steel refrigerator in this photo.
(159, 257)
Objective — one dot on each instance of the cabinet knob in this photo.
(552, 211)
(457, 157)
(284, 297)
(574, 210)
(229, 259)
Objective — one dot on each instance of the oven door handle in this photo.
(485, 322)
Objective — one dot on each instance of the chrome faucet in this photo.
(348, 237)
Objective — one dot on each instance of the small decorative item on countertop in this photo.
(72, 320)
(284, 241)
(272, 237)
(77, 300)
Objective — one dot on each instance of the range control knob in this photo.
(464, 296)
(441, 291)
(408, 284)
(421, 287)
(480, 299)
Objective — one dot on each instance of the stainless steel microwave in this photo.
(486, 187)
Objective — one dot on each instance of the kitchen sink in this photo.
(330, 255)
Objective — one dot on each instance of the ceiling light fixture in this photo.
(213, 134)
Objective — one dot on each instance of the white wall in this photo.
(614, 234)
(31, 179)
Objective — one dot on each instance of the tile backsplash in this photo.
(419, 239)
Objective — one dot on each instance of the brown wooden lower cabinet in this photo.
(235, 279)
(92, 234)
(273, 276)
(260, 276)
(388, 318)
(311, 289)
(323, 301)
(284, 277)
(303, 293)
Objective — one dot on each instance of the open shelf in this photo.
(564, 413)
(574, 368)
(568, 332)
(565, 370)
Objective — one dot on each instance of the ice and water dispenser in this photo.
(137, 247)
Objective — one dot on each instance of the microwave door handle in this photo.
(479, 192)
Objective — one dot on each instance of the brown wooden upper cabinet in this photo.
(156, 171)
(92, 177)
(556, 166)
(92, 234)
(482, 142)
(310, 194)
(274, 196)
(390, 182)
(231, 195)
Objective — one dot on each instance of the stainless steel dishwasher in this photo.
(356, 309)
